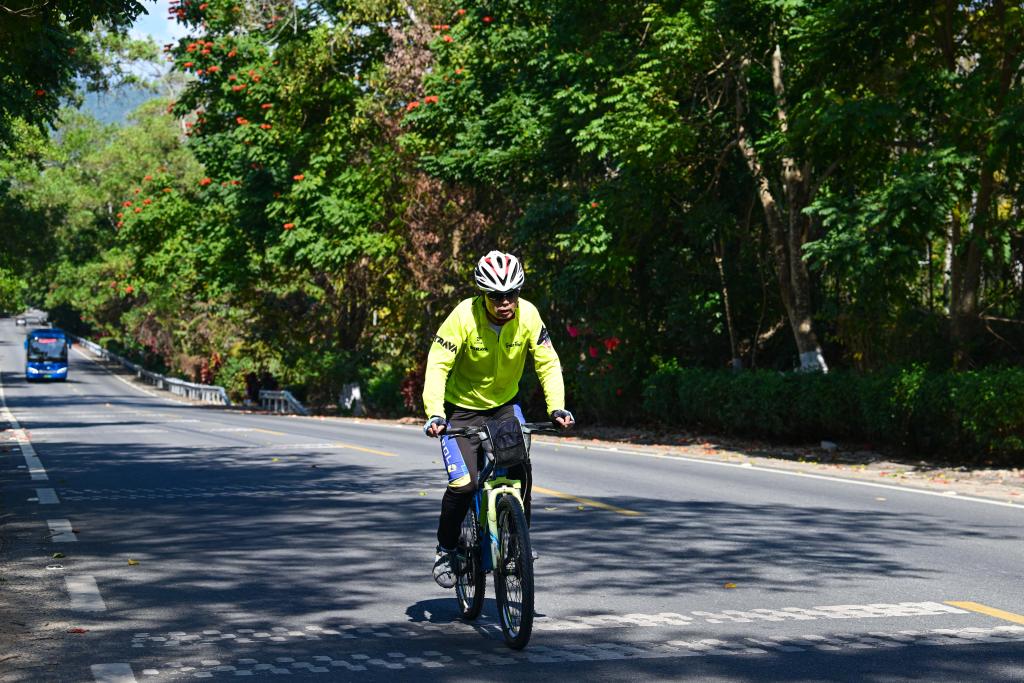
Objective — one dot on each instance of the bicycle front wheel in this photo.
(513, 574)
(470, 585)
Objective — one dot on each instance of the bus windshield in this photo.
(43, 349)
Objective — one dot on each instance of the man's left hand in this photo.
(563, 418)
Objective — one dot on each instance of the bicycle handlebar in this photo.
(528, 428)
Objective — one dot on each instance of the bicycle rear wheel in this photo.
(513, 574)
(470, 585)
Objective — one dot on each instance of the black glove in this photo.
(434, 419)
(565, 415)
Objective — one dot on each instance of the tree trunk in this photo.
(787, 235)
(968, 258)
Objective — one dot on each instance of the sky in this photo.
(156, 23)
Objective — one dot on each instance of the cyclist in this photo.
(473, 370)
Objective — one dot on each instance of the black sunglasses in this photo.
(497, 297)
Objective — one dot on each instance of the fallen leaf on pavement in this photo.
(57, 556)
(132, 563)
(730, 585)
(78, 630)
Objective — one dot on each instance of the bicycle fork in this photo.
(493, 489)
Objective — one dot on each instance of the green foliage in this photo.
(308, 208)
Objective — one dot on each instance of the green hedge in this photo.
(976, 414)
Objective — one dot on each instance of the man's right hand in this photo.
(435, 426)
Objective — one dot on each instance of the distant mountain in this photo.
(115, 105)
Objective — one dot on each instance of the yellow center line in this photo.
(268, 431)
(985, 609)
(365, 450)
(586, 501)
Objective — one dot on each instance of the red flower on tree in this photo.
(298, 177)
(573, 331)
(430, 99)
(147, 201)
(205, 181)
(487, 19)
(593, 351)
(448, 39)
(126, 204)
(266, 126)
(213, 69)
(412, 105)
(289, 226)
(266, 105)
(242, 121)
(611, 343)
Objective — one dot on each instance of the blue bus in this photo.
(46, 355)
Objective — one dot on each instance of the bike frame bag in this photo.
(508, 442)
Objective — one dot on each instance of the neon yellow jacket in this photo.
(473, 367)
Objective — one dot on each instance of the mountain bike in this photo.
(495, 538)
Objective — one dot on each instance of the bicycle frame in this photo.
(489, 489)
(486, 500)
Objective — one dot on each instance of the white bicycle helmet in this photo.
(499, 272)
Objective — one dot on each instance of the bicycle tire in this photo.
(470, 583)
(513, 574)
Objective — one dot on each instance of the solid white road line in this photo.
(61, 531)
(113, 673)
(84, 593)
(118, 377)
(47, 497)
(951, 495)
(32, 462)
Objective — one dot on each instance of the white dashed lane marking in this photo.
(589, 652)
(85, 594)
(61, 531)
(47, 497)
(113, 673)
(281, 634)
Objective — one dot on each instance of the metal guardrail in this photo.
(281, 402)
(205, 393)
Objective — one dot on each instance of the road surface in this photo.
(202, 543)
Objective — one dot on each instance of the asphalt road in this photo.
(206, 543)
